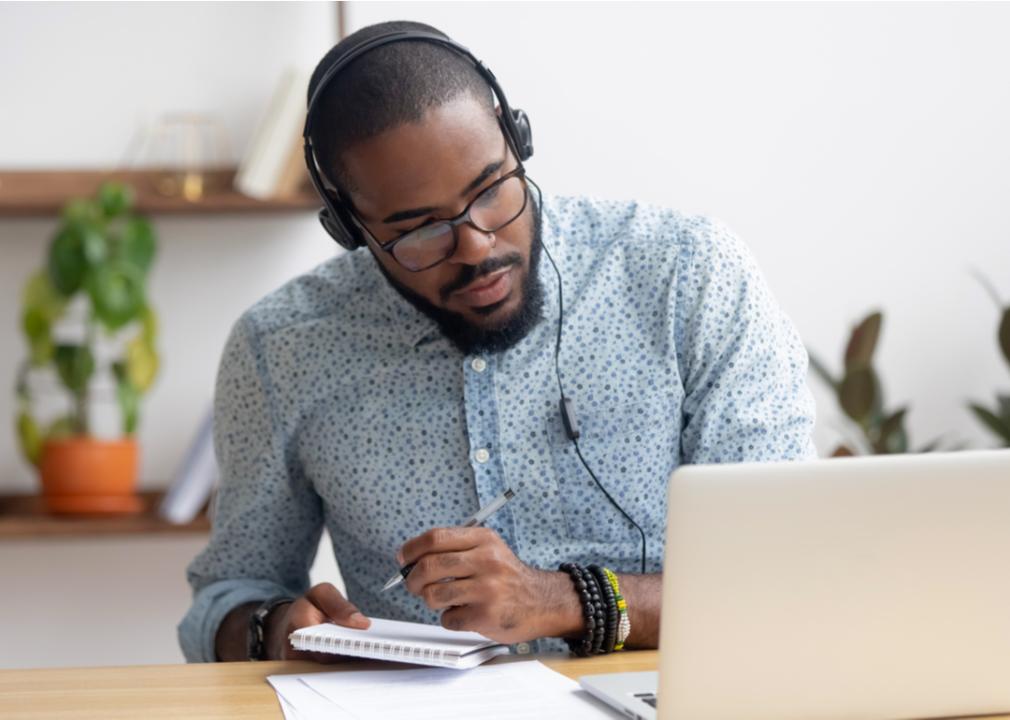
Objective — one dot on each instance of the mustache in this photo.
(471, 272)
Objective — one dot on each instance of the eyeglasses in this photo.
(495, 207)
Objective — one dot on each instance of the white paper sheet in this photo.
(517, 690)
(303, 702)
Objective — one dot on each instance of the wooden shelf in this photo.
(25, 516)
(42, 193)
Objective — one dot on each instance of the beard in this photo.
(501, 335)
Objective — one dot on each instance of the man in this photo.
(395, 389)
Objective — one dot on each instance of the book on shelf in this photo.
(196, 478)
(273, 165)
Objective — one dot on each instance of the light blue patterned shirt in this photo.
(340, 404)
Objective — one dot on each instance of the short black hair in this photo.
(384, 88)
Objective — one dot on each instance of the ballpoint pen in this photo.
(478, 518)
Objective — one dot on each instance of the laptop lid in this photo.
(874, 587)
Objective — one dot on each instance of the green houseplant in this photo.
(861, 396)
(86, 313)
(997, 420)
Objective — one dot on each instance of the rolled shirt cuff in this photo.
(198, 629)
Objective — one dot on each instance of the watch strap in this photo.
(256, 640)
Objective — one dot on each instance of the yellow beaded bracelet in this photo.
(624, 625)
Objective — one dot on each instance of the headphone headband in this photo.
(334, 216)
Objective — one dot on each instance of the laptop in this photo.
(849, 588)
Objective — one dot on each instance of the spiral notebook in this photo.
(400, 642)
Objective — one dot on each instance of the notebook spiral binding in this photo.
(373, 649)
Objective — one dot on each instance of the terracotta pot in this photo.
(83, 475)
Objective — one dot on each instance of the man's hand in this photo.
(479, 583)
(322, 603)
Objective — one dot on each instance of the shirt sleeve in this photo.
(268, 518)
(742, 362)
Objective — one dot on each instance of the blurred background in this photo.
(860, 150)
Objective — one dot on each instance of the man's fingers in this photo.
(441, 595)
(445, 539)
(464, 617)
(336, 607)
(436, 567)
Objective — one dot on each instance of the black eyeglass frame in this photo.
(454, 222)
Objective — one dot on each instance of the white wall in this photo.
(859, 149)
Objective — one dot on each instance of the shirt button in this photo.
(482, 455)
(523, 648)
(479, 364)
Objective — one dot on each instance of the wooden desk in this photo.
(205, 691)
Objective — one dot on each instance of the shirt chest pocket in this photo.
(631, 449)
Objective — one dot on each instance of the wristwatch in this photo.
(256, 639)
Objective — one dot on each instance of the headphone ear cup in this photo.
(337, 230)
(524, 141)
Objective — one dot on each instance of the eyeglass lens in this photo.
(492, 210)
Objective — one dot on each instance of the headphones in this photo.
(335, 215)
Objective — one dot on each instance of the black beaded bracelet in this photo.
(583, 647)
(599, 610)
(612, 612)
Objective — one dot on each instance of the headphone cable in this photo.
(557, 372)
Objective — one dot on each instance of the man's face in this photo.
(417, 173)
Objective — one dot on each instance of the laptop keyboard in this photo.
(647, 697)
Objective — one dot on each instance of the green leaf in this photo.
(863, 342)
(29, 438)
(82, 211)
(39, 294)
(75, 365)
(67, 264)
(141, 364)
(129, 403)
(96, 247)
(115, 198)
(1003, 403)
(1004, 334)
(119, 370)
(149, 320)
(40, 342)
(997, 425)
(137, 245)
(34, 323)
(893, 438)
(117, 294)
(857, 393)
(821, 370)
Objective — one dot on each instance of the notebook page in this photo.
(525, 690)
(403, 633)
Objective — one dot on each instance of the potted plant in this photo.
(997, 420)
(86, 318)
(861, 396)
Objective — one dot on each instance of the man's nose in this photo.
(473, 247)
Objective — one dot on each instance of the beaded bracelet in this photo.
(610, 602)
(624, 625)
(599, 610)
(583, 647)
